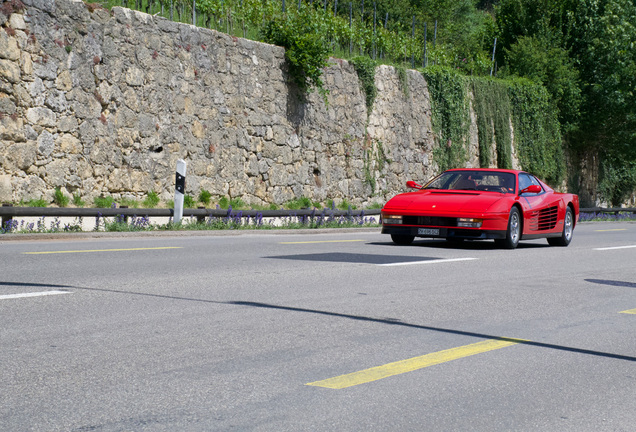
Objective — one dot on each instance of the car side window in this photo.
(526, 180)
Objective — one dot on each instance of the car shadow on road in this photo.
(343, 257)
(28, 284)
(612, 283)
(465, 245)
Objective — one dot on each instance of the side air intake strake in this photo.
(544, 219)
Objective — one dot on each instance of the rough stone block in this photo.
(45, 143)
(6, 189)
(22, 154)
(134, 77)
(63, 81)
(7, 106)
(67, 124)
(8, 46)
(198, 131)
(56, 173)
(45, 70)
(16, 21)
(9, 71)
(69, 144)
(41, 116)
(56, 100)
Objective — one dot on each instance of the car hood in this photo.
(444, 201)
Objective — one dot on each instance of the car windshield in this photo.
(489, 181)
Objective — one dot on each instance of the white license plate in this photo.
(428, 231)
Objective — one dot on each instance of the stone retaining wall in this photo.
(104, 103)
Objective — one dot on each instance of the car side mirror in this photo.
(531, 189)
(413, 185)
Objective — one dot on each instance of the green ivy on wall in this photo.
(450, 115)
(375, 159)
(537, 131)
(492, 108)
(537, 134)
(618, 181)
(365, 68)
(404, 80)
(305, 49)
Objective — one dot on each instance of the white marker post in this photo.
(179, 190)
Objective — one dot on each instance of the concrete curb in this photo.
(202, 233)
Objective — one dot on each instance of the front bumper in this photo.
(445, 232)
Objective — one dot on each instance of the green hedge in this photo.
(537, 134)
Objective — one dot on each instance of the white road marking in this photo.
(35, 294)
(427, 262)
(616, 247)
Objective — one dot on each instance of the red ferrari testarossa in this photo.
(478, 204)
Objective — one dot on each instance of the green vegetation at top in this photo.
(584, 53)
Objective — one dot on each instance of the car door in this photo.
(540, 211)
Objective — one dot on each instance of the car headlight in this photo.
(469, 222)
(391, 219)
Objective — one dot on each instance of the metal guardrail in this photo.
(614, 210)
(8, 213)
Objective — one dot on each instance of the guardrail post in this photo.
(6, 219)
(124, 217)
(201, 218)
(179, 190)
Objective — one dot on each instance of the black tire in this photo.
(402, 240)
(568, 230)
(513, 234)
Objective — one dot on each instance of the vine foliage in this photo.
(404, 80)
(375, 159)
(305, 49)
(537, 133)
(365, 68)
(492, 107)
(450, 115)
(618, 181)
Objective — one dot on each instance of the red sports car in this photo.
(478, 204)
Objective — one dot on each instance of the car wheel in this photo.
(568, 230)
(513, 234)
(402, 240)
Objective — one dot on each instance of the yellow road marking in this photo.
(621, 229)
(400, 367)
(99, 250)
(323, 241)
(631, 311)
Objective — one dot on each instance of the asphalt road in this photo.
(329, 332)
